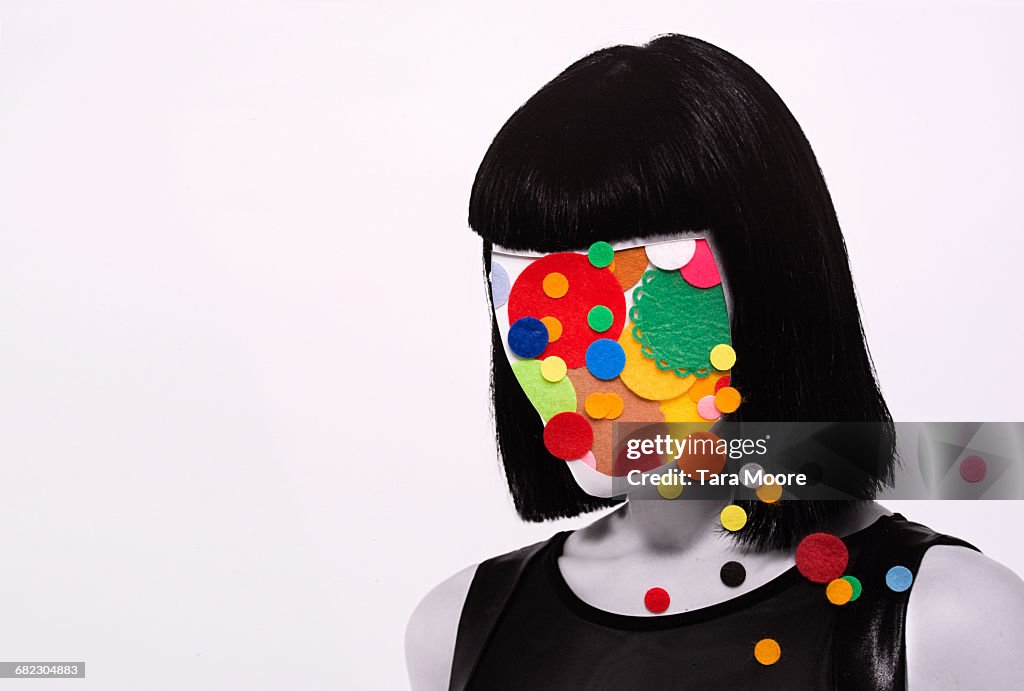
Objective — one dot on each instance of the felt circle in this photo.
(767, 651)
(605, 359)
(750, 470)
(706, 408)
(554, 328)
(723, 357)
(727, 399)
(548, 398)
(769, 494)
(643, 377)
(671, 256)
(733, 517)
(722, 381)
(597, 406)
(568, 436)
(656, 600)
(601, 254)
(553, 368)
(588, 286)
(973, 468)
(629, 266)
(527, 337)
(500, 284)
(556, 285)
(821, 557)
(701, 271)
(733, 574)
(600, 318)
(899, 579)
(615, 405)
(855, 585)
(670, 491)
(839, 591)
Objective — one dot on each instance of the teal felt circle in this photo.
(600, 318)
(601, 254)
(678, 324)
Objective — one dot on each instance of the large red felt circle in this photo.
(568, 436)
(821, 557)
(589, 287)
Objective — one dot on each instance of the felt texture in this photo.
(600, 318)
(588, 459)
(553, 368)
(855, 586)
(644, 378)
(500, 285)
(556, 285)
(601, 254)
(733, 574)
(568, 436)
(527, 337)
(587, 286)
(701, 271)
(677, 324)
(554, 328)
(706, 408)
(972, 468)
(704, 387)
(899, 579)
(695, 457)
(635, 409)
(605, 358)
(548, 398)
(723, 357)
(839, 591)
(670, 491)
(733, 517)
(671, 256)
(769, 494)
(767, 651)
(629, 266)
(727, 399)
(656, 600)
(601, 406)
(821, 557)
(682, 409)
(722, 382)
(750, 468)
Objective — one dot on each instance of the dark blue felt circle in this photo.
(528, 337)
(605, 358)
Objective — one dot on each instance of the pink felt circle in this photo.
(972, 468)
(701, 271)
(707, 409)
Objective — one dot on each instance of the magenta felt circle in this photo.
(972, 468)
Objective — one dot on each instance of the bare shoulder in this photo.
(965, 622)
(430, 635)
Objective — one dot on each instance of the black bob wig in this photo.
(671, 136)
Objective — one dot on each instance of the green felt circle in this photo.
(857, 587)
(678, 324)
(600, 318)
(600, 254)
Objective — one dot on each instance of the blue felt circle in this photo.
(528, 337)
(500, 285)
(605, 358)
(899, 578)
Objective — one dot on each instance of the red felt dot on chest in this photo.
(656, 600)
(821, 557)
(587, 287)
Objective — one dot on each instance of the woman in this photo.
(675, 171)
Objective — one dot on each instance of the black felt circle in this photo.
(733, 574)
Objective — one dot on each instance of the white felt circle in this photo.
(671, 255)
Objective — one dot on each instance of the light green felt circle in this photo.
(601, 254)
(549, 398)
(600, 318)
(857, 587)
(678, 324)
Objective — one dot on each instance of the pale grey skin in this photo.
(965, 620)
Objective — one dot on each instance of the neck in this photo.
(676, 525)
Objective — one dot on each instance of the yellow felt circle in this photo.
(727, 399)
(554, 328)
(769, 494)
(670, 491)
(597, 406)
(642, 376)
(553, 368)
(839, 591)
(767, 651)
(733, 517)
(556, 285)
(723, 357)
(615, 405)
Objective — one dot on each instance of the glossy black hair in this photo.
(677, 135)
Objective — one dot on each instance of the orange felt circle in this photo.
(839, 591)
(554, 328)
(615, 405)
(767, 651)
(597, 406)
(628, 266)
(555, 285)
(769, 494)
(727, 399)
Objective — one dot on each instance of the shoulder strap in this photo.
(492, 586)
(869, 646)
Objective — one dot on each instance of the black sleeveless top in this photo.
(523, 628)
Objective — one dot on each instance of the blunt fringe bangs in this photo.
(679, 135)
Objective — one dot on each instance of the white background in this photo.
(244, 344)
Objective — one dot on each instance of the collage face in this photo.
(616, 334)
